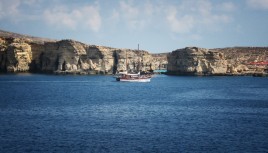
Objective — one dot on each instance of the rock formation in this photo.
(225, 61)
(15, 55)
(21, 53)
(159, 61)
(71, 57)
(196, 61)
(245, 60)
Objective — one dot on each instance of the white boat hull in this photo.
(135, 80)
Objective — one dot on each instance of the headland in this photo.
(22, 53)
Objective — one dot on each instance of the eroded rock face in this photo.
(19, 56)
(65, 55)
(15, 55)
(196, 61)
(71, 57)
(226, 61)
(159, 61)
(241, 60)
(3, 47)
(133, 60)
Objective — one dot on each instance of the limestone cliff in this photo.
(15, 55)
(160, 61)
(21, 53)
(225, 61)
(70, 57)
(196, 61)
(245, 60)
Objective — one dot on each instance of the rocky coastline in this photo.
(21, 53)
(235, 61)
(72, 57)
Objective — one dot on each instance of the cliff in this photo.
(20, 53)
(223, 61)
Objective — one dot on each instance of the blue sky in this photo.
(157, 25)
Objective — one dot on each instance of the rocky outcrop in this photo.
(68, 56)
(196, 61)
(159, 61)
(21, 53)
(15, 56)
(71, 57)
(226, 61)
(245, 60)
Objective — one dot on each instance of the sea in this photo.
(96, 114)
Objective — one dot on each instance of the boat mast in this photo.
(139, 58)
(126, 60)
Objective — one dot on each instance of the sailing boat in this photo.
(133, 78)
(136, 77)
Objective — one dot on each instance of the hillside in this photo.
(220, 61)
(22, 53)
(6, 34)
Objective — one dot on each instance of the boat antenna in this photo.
(139, 68)
(126, 60)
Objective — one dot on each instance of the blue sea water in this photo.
(48, 113)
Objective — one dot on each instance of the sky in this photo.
(156, 25)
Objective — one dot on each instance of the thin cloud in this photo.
(115, 16)
(32, 2)
(130, 11)
(92, 18)
(130, 14)
(198, 15)
(136, 15)
(61, 16)
(227, 6)
(182, 24)
(20, 10)
(9, 9)
(258, 4)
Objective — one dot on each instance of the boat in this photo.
(119, 74)
(132, 77)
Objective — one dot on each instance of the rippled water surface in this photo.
(46, 113)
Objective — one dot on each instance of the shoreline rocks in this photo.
(72, 57)
(236, 61)
(21, 53)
